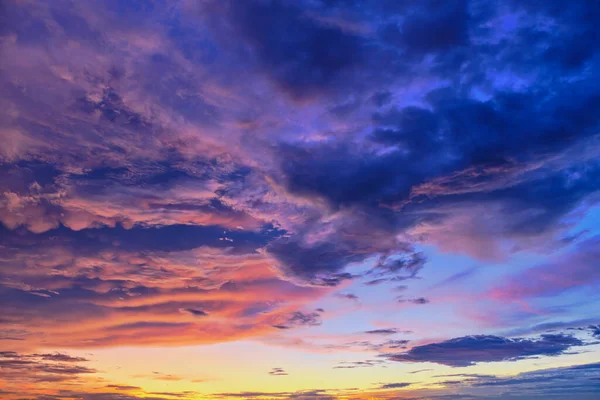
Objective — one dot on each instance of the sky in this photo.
(308, 199)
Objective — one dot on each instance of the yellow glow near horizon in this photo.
(244, 366)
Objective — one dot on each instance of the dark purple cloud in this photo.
(38, 368)
(595, 330)
(299, 60)
(299, 319)
(469, 350)
(278, 372)
(358, 364)
(417, 300)
(196, 312)
(396, 385)
(387, 331)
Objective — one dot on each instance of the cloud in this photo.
(318, 264)
(459, 276)
(367, 345)
(317, 394)
(277, 372)
(577, 380)
(396, 385)
(264, 27)
(470, 350)
(60, 357)
(250, 395)
(24, 369)
(159, 376)
(101, 396)
(186, 394)
(195, 312)
(375, 282)
(400, 268)
(388, 331)
(358, 364)
(118, 296)
(481, 376)
(347, 296)
(299, 319)
(448, 23)
(420, 370)
(417, 300)
(556, 326)
(123, 387)
(553, 278)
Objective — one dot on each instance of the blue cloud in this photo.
(469, 350)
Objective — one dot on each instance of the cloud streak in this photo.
(470, 350)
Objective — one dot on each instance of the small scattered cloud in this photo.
(160, 376)
(395, 385)
(376, 282)
(299, 319)
(420, 370)
(196, 312)
(416, 300)
(359, 364)
(278, 372)
(347, 296)
(123, 387)
(385, 331)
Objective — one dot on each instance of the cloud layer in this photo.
(179, 173)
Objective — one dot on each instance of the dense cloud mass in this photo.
(182, 173)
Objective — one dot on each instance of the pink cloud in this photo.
(118, 297)
(576, 269)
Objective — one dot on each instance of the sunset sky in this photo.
(307, 199)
